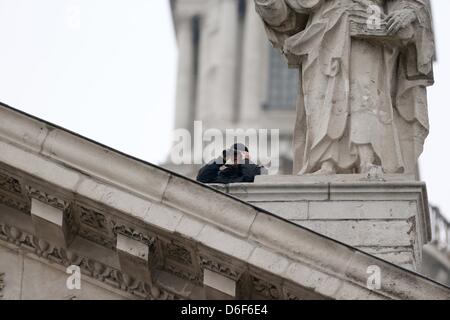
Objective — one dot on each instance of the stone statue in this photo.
(364, 68)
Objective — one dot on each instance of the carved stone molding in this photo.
(215, 266)
(11, 193)
(178, 260)
(71, 223)
(10, 184)
(288, 295)
(97, 238)
(46, 198)
(133, 233)
(15, 203)
(183, 273)
(98, 227)
(94, 226)
(89, 267)
(265, 289)
(93, 219)
(178, 253)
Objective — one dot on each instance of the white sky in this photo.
(106, 70)
(102, 68)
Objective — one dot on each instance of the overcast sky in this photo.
(106, 69)
(103, 68)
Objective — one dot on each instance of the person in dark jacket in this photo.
(233, 166)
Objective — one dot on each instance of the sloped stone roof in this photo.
(192, 226)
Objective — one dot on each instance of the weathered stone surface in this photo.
(403, 257)
(221, 241)
(336, 130)
(27, 278)
(11, 264)
(364, 233)
(285, 238)
(40, 280)
(236, 215)
(263, 258)
(215, 232)
(288, 210)
(360, 212)
(189, 227)
(388, 280)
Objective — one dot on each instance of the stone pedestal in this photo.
(387, 217)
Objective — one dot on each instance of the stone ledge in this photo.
(337, 178)
(72, 163)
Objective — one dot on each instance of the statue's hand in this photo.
(400, 19)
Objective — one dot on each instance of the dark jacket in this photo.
(216, 172)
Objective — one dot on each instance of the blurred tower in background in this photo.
(229, 76)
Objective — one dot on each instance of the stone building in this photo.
(137, 231)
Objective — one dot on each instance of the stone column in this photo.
(203, 103)
(185, 80)
(254, 64)
(227, 49)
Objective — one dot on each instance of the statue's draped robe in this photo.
(354, 91)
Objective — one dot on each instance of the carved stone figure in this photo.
(364, 68)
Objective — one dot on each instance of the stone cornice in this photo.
(90, 267)
(178, 206)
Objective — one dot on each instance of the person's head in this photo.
(236, 154)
